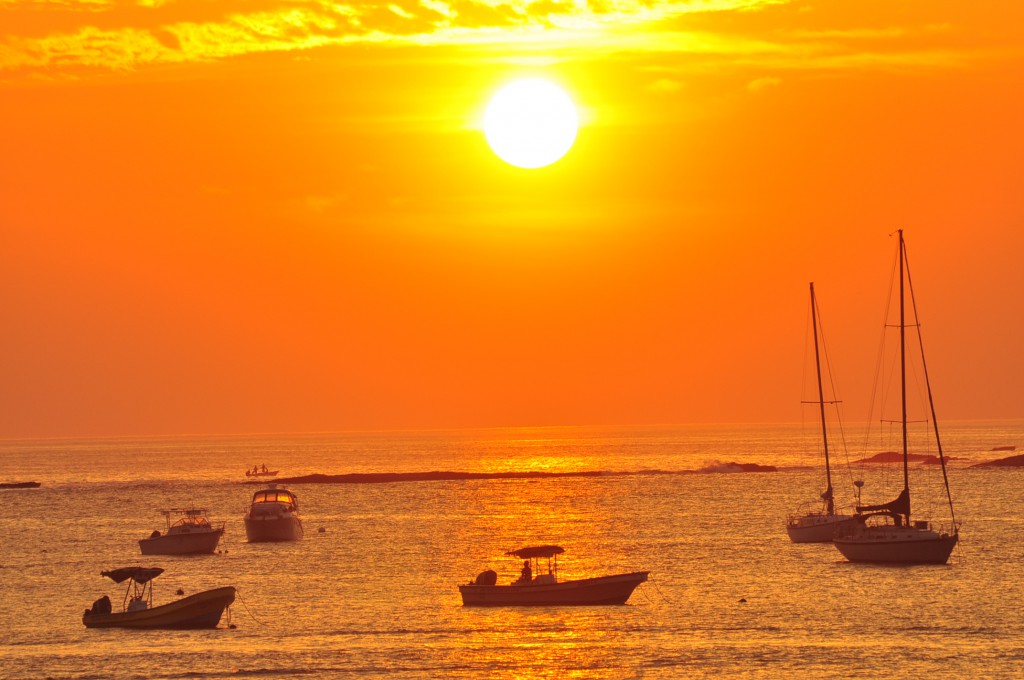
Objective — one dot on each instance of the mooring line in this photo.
(650, 579)
(244, 604)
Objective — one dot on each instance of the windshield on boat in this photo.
(273, 497)
(192, 522)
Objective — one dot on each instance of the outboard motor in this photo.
(101, 606)
(486, 578)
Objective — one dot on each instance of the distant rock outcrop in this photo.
(446, 476)
(738, 467)
(897, 457)
(1012, 461)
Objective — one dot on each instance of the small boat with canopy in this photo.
(538, 584)
(202, 610)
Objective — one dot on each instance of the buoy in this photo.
(743, 599)
(181, 591)
(322, 530)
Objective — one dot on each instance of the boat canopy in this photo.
(139, 574)
(537, 551)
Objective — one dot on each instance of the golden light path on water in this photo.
(376, 592)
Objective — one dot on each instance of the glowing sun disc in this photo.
(530, 123)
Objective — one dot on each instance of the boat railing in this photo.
(943, 528)
(818, 508)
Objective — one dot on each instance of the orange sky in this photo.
(268, 216)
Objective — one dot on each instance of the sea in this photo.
(372, 589)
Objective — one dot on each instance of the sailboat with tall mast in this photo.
(885, 533)
(818, 526)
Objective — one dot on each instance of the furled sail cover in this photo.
(899, 506)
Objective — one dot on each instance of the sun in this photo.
(530, 123)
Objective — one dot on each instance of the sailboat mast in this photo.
(903, 379)
(829, 502)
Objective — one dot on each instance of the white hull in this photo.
(589, 591)
(815, 528)
(192, 543)
(897, 545)
(268, 529)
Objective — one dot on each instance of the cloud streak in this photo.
(54, 37)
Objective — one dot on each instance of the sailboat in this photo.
(818, 526)
(885, 533)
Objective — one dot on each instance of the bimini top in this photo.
(139, 574)
(537, 551)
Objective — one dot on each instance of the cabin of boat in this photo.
(190, 534)
(202, 610)
(538, 584)
(273, 515)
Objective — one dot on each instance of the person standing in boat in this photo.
(526, 575)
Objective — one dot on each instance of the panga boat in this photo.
(191, 534)
(885, 533)
(545, 588)
(257, 472)
(202, 610)
(273, 515)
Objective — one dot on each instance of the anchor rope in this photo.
(650, 579)
(246, 605)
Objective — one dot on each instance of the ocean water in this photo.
(375, 593)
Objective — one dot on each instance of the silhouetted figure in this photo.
(527, 574)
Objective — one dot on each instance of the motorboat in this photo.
(190, 534)
(885, 533)
(202, 610)
(818, 525)
(535, 587)
(260, 472)
(273, 515)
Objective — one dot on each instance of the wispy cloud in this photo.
(761, 84)
(62, 36)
